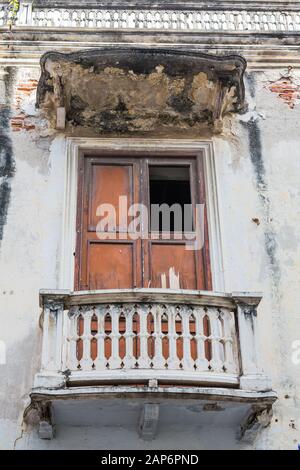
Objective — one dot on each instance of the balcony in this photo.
(136, 336)
(158, 344)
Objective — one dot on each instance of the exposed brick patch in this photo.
(25, 89)
(23, 93)
(287, 89)
(20, 122)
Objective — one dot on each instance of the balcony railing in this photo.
(142, 335)
(238, 19)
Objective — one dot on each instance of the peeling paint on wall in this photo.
(287, 89)
(25, 90)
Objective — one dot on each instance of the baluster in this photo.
(190, 21)
(231, 20)
(215, 21)
(99, 19)
(201, 361)
(187, 361)
(215, 337)
(42, 19)
(56, 18)
(175, 20)
(158, 360)
(105, 19)
(144, 360)
(111, 19)
(229, 339)
(65, 18)
(114, 360)
(115, 19)
(86, 361)
(52, 18)
(156, 20)
(165, 20)
(82, 19)
(129, 359)
(173, 361)
(281, 21)
(72, 361)
(140, 22)
(74, 18)
(100, 361)
(149, 19)
(125, 20)
(92, 19)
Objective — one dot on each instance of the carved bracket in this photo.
(258, 419)
(40, 413)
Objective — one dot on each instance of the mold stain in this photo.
(7, 164)
(256, 157)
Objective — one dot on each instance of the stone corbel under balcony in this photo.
(228, 379)
(113, 90)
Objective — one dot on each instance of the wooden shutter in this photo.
(168, 264)
(106, 263)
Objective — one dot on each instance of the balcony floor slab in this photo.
(197, 412)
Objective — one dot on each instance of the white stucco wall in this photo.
(257, 257)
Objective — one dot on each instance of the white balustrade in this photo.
(160, 328)
(173, 336)
(173, 20)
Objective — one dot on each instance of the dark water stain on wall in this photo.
(250, 78)
(256, 156)
(7, 164)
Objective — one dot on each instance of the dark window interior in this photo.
(171, 185)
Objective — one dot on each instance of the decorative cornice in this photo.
(220, 17)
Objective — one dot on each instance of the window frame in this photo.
(76, 147)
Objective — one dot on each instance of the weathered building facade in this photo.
(142, 342)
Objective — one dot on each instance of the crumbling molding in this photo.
(214, 394)
(116, 90)
(39, 413)
(256, 420)
(287, 88)
(46, 428)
